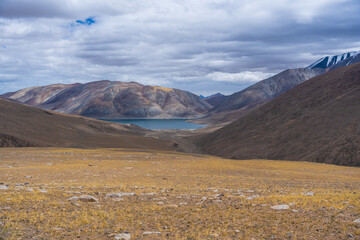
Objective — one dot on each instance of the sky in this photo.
(202, 46)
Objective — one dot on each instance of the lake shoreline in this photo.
(159, 124)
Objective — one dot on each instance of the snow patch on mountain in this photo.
(329, 61)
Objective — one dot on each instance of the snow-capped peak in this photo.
(329, 61)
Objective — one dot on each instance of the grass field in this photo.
(177, 196)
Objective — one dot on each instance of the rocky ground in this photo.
(53, 193)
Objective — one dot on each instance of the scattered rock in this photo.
(309, 194)
(43, 190)
(172, 206)
(357, 221)
(280, 207)
(160, 203)
(88, 198)
(75, 198)
(252, 197)
(3, 187)
(203, 199)
(214, 235)
(123, 236)
(295, 211)
(29, 190)
(149, 233)
(148, 194)
(349, 235)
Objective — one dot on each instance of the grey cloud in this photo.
(176, 43)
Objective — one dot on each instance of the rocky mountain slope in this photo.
(348, 61)
(24, 126)
(214, 99)
(109, 99)
(330, 61)
(318, 121)
(240, 103)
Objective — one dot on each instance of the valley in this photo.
(179, 120)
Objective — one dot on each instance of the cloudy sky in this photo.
(204, 46)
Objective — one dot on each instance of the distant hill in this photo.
(317, 121)
(25, 126)
(240, 103)
(330, 61)
(109, 99)
(214, 99)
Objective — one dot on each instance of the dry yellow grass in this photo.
(163, 88)
(182, 196)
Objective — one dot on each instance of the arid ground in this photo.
(168, 195)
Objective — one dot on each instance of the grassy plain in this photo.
(181, 196)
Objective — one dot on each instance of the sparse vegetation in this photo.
(181, 196)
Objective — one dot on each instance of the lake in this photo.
(155, 124)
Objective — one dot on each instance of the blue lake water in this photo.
(155, 124)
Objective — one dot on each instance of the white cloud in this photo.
(242, 77)
(169, 42)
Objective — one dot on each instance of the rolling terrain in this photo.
(24, 126)
(61, 193)
(317, 121)
(110, 99)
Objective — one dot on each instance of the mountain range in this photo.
(306, 114)
(110, 99)
(319, 121)
(240, 103)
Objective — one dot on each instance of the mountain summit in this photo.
(329, 61)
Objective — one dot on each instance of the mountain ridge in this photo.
(329, 61)
(113, 99)
(318, 120)
(240, 103)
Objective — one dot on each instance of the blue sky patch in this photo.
(89, 21)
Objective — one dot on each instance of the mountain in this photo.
(25, 126)
(348, 61)
(214, 99)
(329, 61)
(109, 99)
(317, 121)
(240, 103)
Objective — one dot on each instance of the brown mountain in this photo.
(214, 99)
(240, 103)
(318, 121)
(109, 99)
(23, 126)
